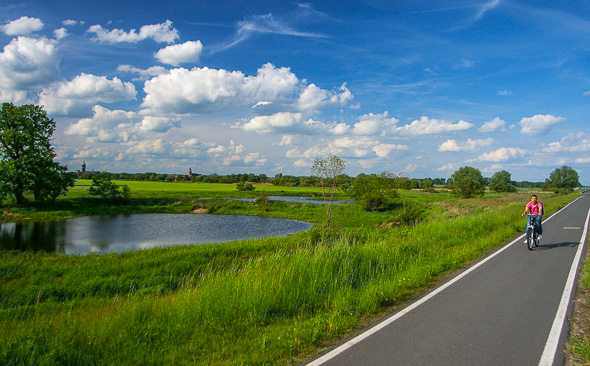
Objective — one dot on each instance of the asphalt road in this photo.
(500, 311)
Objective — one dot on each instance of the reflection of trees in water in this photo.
(33, 236)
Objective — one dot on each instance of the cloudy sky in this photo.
(422, 87)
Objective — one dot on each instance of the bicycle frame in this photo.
(531, 232)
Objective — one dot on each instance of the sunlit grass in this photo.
(268, 301)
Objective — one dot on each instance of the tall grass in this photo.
(253, 302)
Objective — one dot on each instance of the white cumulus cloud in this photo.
(429, 126)
(203, 90)
(102, 123)
(29, 64)
(163, 32)
(60, 33)
(374, 124)
(383, 150)
(538, 124)
(501, 155)
(22, 26)
(282, 121)
(83, 91)
(470, 145)
(188, 52)
(158, 124)
(573, 142)
(314, 98)
(493, 125)
(156, 147)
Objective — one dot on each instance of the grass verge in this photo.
(269, 301)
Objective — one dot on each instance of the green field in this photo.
(256, 302)
(209, 189)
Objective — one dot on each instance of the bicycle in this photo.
(531, 233)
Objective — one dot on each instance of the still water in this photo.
(103, 234)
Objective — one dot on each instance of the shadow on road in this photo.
(557, 245)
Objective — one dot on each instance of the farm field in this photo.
(265, 301)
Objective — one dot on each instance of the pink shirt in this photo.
(535, 209)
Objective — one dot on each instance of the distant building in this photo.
(188, 176)
(79, 173)
(191, 174)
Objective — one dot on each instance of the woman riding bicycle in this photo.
(535, 208)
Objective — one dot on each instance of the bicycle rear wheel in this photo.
(530, 239)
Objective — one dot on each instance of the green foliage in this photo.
(467, 182)
(27, 157)
(375, 192)
(501, 182)
(268, 301)
(243, 187)
(563, 179)
(411, 213)
(262, 200)
(105, 188)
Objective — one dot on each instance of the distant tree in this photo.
(427, 184)
(327, 170)
(242, 186)
(103, 186)
(26, 156)
(373, 192)
(467, 182)
(501, 182)
(562, 179)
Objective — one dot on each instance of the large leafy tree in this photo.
(467, 182)
(501, 182)
(565, 178)
(26, 156)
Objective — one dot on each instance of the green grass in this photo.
(210, 189)
(268, 301)
(579, 345)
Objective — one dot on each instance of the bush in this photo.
(245, 187)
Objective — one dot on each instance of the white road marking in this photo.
(338, 350)
(553, 339)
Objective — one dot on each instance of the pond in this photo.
(117, 233)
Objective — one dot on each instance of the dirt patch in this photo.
(389, 224)
(199, 211)
(579, 320)
(8, 213)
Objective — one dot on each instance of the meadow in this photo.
(255, 302)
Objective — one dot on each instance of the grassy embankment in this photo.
(579, 343)
(269, 301)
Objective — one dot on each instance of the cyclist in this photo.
(535, 208)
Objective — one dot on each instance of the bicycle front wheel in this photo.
(530, 239)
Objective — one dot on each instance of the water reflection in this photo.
(103, 234)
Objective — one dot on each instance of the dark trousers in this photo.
(537, 222)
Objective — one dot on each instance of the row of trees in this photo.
(468, 181)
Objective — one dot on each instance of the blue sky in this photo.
(266, 86)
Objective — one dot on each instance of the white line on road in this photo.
(553, 339)
(336, 351)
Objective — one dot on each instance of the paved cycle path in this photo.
(500, 311)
